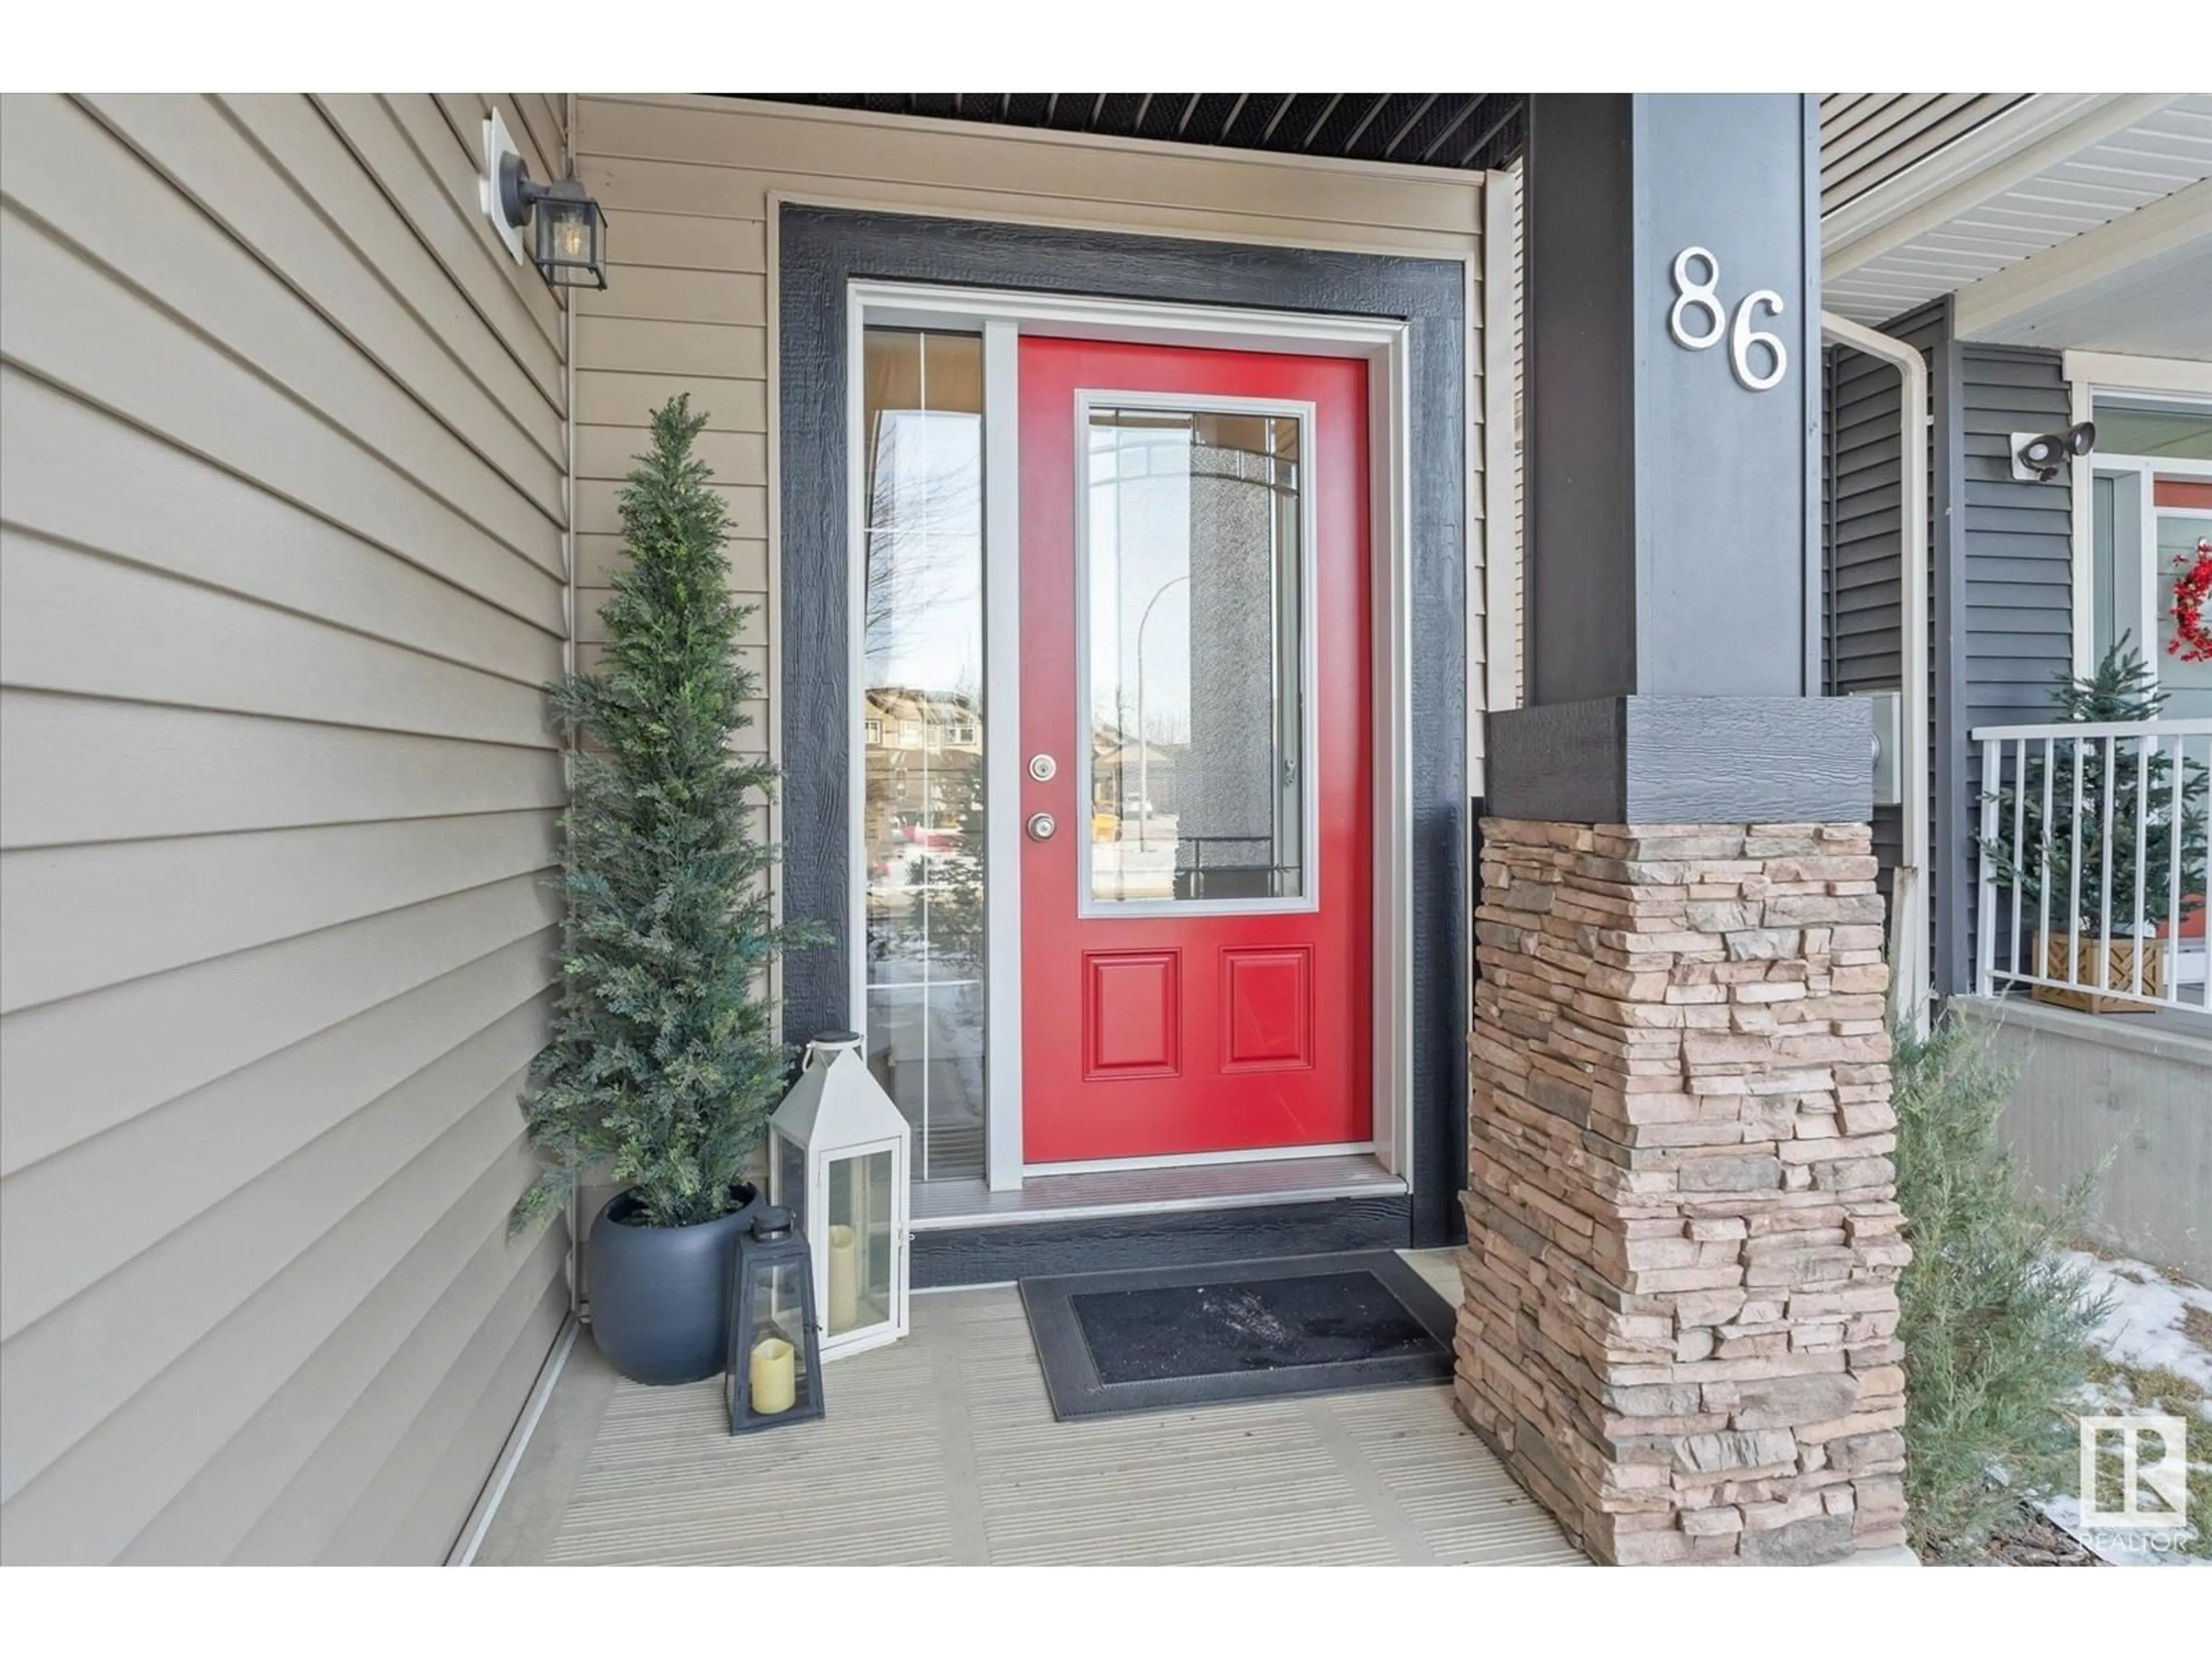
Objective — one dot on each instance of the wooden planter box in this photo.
(2120, 955)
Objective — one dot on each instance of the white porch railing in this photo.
(2093, 877)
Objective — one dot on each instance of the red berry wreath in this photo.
(2192, 637)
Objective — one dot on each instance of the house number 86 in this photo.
(1698, 297)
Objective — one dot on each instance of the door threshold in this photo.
(941, 1205)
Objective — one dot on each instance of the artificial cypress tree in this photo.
(664, 1064)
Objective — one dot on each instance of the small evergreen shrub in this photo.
(1996, 1325)
(2121, 689)
(664, 1064)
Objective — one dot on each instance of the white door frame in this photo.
(1002, 318)
(2090, 375)
(2138, 610)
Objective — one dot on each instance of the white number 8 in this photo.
(1688, 293)
(1742, 336)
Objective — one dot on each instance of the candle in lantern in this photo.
(773, 1376)
(844, 1280)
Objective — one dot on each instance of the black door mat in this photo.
(1170, 1337)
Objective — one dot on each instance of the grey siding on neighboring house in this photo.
(2014, 544)
(2000, 607)
(283, 564)
(1862, 567)
(1869, 138)
(2018, 536)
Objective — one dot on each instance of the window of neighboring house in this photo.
(872, 732)
(2150, 504)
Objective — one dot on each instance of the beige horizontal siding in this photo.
(431, 174)
(677, 151)
(285, 538)
(608, 452)
(114, 347)
(687, 183)
(614, 397)
(200, 772)
(63, 1084)
(246, 656)
(156, 504)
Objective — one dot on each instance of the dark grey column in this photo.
(1673, 610)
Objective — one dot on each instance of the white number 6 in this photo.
(1743, 337)
(1688, 293)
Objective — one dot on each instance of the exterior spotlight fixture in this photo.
(569, 235)
(2037, 456)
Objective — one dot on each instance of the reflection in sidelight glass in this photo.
(1194, 582)
(921, 723)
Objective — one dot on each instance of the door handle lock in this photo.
(1041, 826)
(1041, 767)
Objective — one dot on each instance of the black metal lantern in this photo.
(773, 1372)
(571, 233)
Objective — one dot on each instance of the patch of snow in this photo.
(2143, 1327)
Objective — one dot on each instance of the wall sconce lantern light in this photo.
(569, 236)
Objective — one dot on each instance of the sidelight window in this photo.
(922, 721)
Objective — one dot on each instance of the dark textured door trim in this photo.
(820, 251)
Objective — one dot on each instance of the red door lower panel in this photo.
(1225, 1006)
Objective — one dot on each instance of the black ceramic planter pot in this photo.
(660, 1295)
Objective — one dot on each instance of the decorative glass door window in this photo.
(1194, 579)
(922, 720)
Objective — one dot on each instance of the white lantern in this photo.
(838, 1156)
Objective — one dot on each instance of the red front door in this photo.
(1194, 713)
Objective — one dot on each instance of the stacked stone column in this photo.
(1680, 1309)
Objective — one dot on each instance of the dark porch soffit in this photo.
(1474, 130)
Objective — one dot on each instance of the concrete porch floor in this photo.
(942, 1448)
